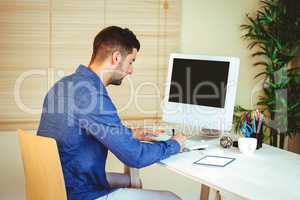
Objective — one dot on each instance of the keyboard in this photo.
(194, 145)
(190, 144)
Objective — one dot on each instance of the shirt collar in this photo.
(85, 71)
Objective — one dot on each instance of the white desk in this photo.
(270, 173)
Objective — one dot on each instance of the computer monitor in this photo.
(200, 91)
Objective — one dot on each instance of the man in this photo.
(80, 115)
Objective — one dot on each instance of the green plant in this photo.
(274, 35)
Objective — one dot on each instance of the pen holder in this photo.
(260, 137)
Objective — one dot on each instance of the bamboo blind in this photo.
(53, 37)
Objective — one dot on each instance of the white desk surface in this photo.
(270, 173)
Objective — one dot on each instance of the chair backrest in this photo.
(43, 173)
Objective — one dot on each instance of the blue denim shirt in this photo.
(79, 114)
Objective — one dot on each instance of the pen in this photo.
(260, 123)
(253, 122)
(188, 150)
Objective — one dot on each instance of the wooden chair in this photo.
(43, 173)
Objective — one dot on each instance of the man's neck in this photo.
(101, 73)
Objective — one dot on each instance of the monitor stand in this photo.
(210, 133)
(191, 131)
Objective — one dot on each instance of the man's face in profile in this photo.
(124, 68)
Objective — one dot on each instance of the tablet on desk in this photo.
(217, 161)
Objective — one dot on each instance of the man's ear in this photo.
(116, 57)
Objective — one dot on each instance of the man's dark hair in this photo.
(114, 38)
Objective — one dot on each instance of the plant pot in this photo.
(294, 143)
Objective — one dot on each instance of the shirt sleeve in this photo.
(104, 124)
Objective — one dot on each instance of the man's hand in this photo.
(143, 134)
(181, 139)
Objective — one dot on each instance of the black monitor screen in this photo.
(199, 82)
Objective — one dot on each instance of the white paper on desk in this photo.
(214, 161)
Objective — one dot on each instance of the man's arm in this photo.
(132, 152)
(104, 124)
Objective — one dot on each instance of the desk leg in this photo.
(204, 192)
(215, 194)
(218, 196)
(135, 181)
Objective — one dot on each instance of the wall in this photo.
(42, 41)
(211, 27)
(208, 27)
